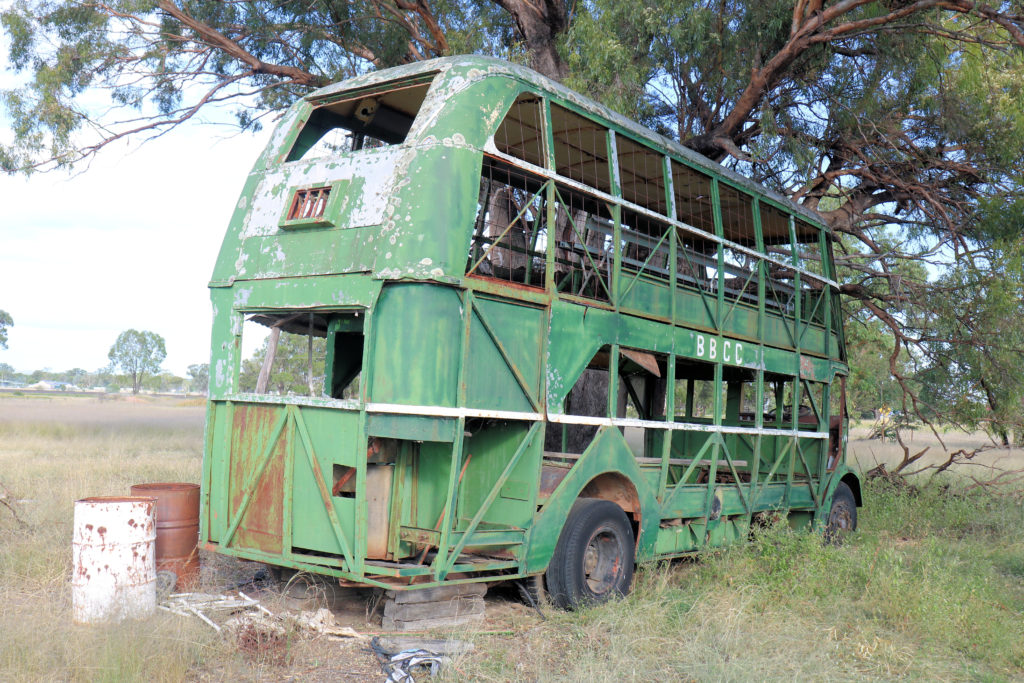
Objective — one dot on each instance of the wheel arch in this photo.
(617, 488)
(853, 481)
(607, 471)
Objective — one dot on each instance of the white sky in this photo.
(129, 242)
(126, 241)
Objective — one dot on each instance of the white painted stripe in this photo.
(441, 411)
(313, 401)
(557, 418)
(679, 426)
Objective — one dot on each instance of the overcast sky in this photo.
(129, 242)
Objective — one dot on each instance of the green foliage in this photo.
(928, 588)
(870, 386)
(164, 382)
(5, 322)
(973, 376)
(199, 374)
(138, 354)
(156, 66)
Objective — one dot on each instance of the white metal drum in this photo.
(114, 559)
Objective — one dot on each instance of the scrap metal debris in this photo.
(404, 665)
(248, 614)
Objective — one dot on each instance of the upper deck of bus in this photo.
(408, 206)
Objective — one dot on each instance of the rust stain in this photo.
(264, 517)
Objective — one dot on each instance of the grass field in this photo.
(932, 587)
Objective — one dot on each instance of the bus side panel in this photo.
(430, 468)
(491, 450)
(576, 334)
(269, 485)
(215, 464)
(491, 378)
(649, 298)
(258, 452)
(428, 222)
(415, 355)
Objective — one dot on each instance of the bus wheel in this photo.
(594, 556)
(842, 517)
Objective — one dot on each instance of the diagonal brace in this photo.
(325, 495)
(504, 355)
(491, 497)
(254, 477)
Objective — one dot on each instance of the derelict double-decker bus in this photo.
(524, 337)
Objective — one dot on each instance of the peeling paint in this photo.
(399, 222)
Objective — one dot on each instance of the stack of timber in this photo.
(426, 608)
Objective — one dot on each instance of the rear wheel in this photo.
(594, 556)
(842, 516)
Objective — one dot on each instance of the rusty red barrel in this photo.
(177, 529)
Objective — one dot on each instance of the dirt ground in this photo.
(322, 659)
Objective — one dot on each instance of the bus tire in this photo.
(842, 515)
(594, 557)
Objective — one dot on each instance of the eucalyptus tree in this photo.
(895, 120)
(138, 355)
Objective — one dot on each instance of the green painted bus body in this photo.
(460, 376)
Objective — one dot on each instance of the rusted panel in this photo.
(616, 488)
(378, 508)
(261, 526)
(550, 477)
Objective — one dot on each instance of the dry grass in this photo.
(56, 451)
(865, 453)
(930, 588)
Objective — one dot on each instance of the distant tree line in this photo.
(162, 382)
(135, 363)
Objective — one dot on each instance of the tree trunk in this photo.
(540, 23)
(268, 361)
(1001, 432)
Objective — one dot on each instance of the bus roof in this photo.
(457, 70)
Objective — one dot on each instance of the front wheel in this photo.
(594, 556)
(842, 517)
